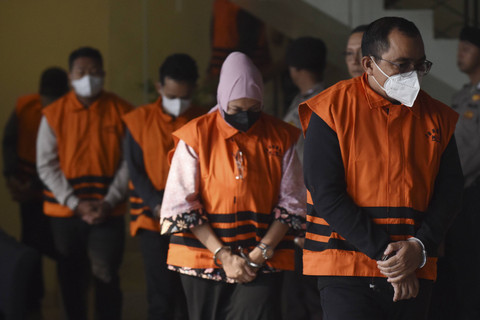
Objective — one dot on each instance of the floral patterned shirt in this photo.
(182, 208)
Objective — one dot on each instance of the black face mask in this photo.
(242, 120)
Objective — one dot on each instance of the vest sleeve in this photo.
(324, 176)
(189, 135)
(315, 106)
(446, 200)
(304, 113)
(133, 155)
(48, 166)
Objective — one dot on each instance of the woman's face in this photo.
(243, 104)
(353, 54)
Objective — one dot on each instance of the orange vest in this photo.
(225, 37)
(89, 146)
(152, 129)
(391, 162)
(238, 210)
(29, 113)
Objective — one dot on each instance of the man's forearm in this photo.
(446, 200)
(48, 166)
(133, 155)
(117, 190)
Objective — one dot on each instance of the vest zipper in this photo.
(388, 217)
(388, 167)
(237, 181)
(372, 284)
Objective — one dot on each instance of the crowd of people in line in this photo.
(345, 209)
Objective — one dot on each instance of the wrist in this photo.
(221, 254)
(247, 259)
(256, 256)
(423, 253)
(224, 255)
(72, 202)
(266, 250)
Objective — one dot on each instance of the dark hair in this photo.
(85, 52)
(361, 28)
(179, 67)
(54, 82)
(307, 53)
(375, 40)
(470, 34)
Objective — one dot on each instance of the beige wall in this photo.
(36, 34)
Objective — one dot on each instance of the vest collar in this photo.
(188, 114)
(227, 131)
(376, 101)
(77, 105)
(165, 116)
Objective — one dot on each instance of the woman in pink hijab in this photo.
(233, 201)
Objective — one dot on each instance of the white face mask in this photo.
(175, 107)
(88, 86)
(401, 87)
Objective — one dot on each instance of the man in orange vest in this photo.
(79, 159)
(148, 140)
(456, 291)
(19, 157)
(384, 180)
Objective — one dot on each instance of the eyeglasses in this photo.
(239, 162)
(407, 68)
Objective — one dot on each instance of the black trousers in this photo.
(354, 299)
(456, 294)
(36, 233)
(300, 295)
(85, 250)
(17, 271)
(212, 300)
(166, 299)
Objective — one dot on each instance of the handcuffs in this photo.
(267, 253)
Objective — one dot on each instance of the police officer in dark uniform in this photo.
(457, 295)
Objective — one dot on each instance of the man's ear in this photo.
(367, 65)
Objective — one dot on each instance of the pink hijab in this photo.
(239, 78)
